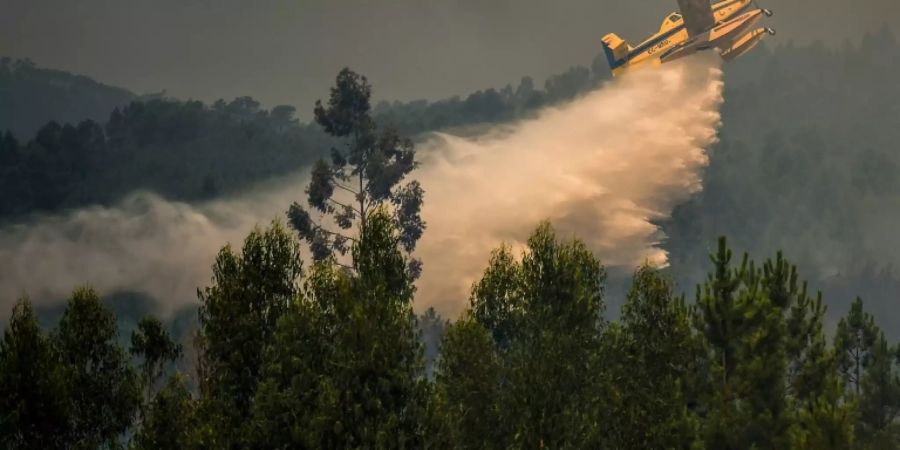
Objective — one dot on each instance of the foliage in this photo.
(239, 314)
(366, 170)
(34, 413)
(344, 369)
(655, 354)
(102, 389)
(543, 318)
(468, 388)
(152, 343)
(170, 420)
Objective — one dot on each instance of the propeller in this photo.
(766, 11)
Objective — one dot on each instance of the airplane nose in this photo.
(770, 31)
(768, 12)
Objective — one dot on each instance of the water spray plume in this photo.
(599, 168)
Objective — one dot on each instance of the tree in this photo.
(364, 173)
(853, 342)
(467, 384)
(554, 298)
(766, 351)
(152, 343)
(103, 389)
(655, 361)
(496, 299)
(879, 402)
(345, 368)
(286, 409)
(827, 423)
(238, 318)
(33, 410)
(170, 419)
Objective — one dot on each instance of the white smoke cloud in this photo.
(600, 167)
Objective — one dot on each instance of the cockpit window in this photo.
(675, 17)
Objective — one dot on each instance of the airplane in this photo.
(726, 26)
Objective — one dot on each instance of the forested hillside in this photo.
(182, 150)
(31, 96)
(809, 163)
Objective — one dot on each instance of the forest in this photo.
(717, 351)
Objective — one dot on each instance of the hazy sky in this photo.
(288, 51)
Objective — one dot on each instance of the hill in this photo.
(31, 96)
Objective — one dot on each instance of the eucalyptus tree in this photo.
(366, 170)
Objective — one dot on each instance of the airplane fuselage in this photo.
(732, 34)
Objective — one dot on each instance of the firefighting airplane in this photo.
(726, 26)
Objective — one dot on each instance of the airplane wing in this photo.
(698, 15)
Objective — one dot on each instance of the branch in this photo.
(333, 233)
(339, 185)
(338, 203)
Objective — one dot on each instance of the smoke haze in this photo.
(601, 168)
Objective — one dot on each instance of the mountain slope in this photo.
(31, 96)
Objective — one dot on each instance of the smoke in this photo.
(600, 167)
(144, 244)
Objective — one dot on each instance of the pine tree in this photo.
(879, 401)
(768, 362)
(853, 342)
(827, 422)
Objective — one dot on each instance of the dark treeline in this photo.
(492, 105)
(182, 150)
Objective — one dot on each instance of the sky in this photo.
(288, 51)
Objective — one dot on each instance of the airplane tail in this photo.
(616, 50)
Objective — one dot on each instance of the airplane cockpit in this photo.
(670, 22)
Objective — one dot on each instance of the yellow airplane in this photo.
(725, 26)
